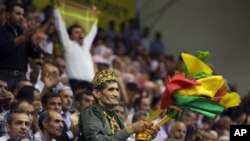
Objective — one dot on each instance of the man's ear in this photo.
(45, 123)
(97, 94)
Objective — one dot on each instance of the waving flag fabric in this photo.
(198, 89)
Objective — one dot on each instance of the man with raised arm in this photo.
(79, 63)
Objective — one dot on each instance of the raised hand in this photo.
(7, 96)
(29, 28)
(153, 130)
(138, 127)
(50, 76)
(95, 11)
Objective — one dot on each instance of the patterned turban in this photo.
(102, 77)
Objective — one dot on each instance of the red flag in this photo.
(177, 82)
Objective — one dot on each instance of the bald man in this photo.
(178, 132)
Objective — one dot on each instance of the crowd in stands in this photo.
(46, 72)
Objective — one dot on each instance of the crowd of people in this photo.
(60, 83)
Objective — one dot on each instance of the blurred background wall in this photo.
(221, 27)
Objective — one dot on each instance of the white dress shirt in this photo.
(79, 62)
(39, 136)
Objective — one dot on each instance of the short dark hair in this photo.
(84, 85)
(133, 87)
(137, 116)
(14, 106)
(44, 116)
(169, 57)
(72, 27)
(138, 101)
(10, 6)
(49, 95)
(26, 93)
(78, 96)
(11, 114)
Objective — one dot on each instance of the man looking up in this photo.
(79, 63)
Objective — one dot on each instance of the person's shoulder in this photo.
(3, 26)
(4, 138)
(38, 136)
(91, 109)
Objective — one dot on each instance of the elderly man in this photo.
(178, 132)
(99, 122)
(51, 124)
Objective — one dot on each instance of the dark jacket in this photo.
(15, 57)
(93, 126)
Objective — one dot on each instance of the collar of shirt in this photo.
(66, 118)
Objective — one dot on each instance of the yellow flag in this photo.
(209, 86)
(75, 13)
(195, 65)
(72, 12)
(118, 11)
(230, 100)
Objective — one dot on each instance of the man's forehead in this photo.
(56, 116)
(21, 117)
(26, 106)
(87, 96)
(3, 83)
(112, 85)
(52, 99)
(67, 92)
(17, 8)
(77, 29)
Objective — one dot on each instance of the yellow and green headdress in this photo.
(103, 77)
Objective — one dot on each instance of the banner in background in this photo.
(79, 11)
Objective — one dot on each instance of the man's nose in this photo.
(58, 107)
(61, 124)
(24, 127)
(116, 93)
(70, 100)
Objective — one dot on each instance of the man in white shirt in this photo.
(79, 62)
(51, 124)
